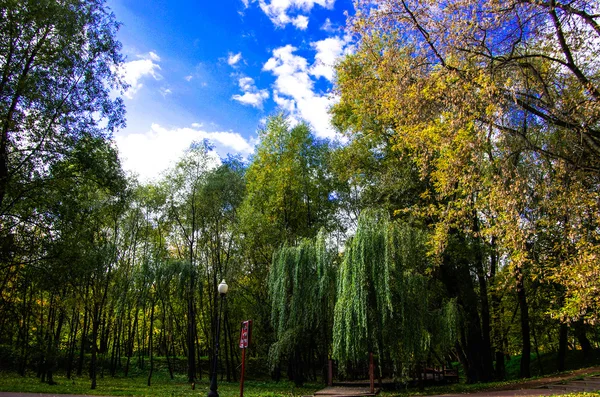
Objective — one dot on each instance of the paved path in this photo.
(337, 391)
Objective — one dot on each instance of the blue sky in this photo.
(204, 69)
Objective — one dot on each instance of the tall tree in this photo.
(290, 195)
(184, 201)
(302, 290)
(60, 62)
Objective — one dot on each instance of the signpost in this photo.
(245, 336)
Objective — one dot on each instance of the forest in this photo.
(456, 221)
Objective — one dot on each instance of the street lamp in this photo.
(223, 288)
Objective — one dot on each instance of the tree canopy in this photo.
(457, 222)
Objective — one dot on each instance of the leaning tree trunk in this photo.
(584, 342)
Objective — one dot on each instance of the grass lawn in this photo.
(162, 385)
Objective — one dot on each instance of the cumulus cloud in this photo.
(150, 153)
(188, 78)
(233, 59)
(283, 12)
(293, 89)
(328, 52)
(134, 72)
(252, 96)
(301, 22)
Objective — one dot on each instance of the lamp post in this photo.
(223, 288)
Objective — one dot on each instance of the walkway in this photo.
(344, 391)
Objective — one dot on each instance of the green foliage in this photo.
(384, 299)
(301, 283)
(61, 61)
(288, 186)
(364, 299)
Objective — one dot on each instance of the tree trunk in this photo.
(52, 357)
(456, 277)
(84, 331)
(537, 351)
(486, 352)
(580, 334)
(497, 315)
(72, 341)
(150, 344)
(563, 333)
(525, 329)
(165, 341)
(95, 327)
(234, 357)
(191, 330)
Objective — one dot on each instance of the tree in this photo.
(289, 186)
(477, 95)
(302, 290)
(386, 302)
(184, 202)
(290, 195)
(60, 61)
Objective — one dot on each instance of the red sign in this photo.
(245, 334)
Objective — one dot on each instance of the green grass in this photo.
(547, 363)
(162, 386)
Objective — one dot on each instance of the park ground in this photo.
(12, 384)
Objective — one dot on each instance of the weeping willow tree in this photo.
(385, 303)
(364, 303)
(302, 289)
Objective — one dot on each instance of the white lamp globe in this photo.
(223, 288)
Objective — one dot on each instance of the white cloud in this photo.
(135, 71)
(328, 52)
(289, 105)
(149, 154)
(301, 22)
(233, 59)
(279, 11)
(252, 96)
(254, 99)
(153, 56)
(328, 26)
(165, 91)
(246, 83)
(188, 78)
(293, 90)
